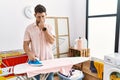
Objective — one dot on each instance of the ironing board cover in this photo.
(62, 65)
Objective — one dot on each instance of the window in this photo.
(99, 7)
(102, 26)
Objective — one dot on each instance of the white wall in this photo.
(13, 22)
(78, 18)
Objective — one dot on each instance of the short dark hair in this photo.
(40, 8)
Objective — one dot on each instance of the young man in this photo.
(38, 38)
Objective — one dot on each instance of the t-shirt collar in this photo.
(35, 24)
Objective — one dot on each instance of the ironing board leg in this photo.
(23, 77)
(44, 76)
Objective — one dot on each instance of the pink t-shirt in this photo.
(39, 46)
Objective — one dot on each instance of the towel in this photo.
(2, 78)
(112, 77)
(117, 79)
(99, 66)
(0, 67)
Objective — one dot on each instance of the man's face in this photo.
(40, 17)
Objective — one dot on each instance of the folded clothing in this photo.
(35, 62)
(99, 67)
(92, 67)
(73, 75)
(76, 75)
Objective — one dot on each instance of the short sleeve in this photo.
(26, 35)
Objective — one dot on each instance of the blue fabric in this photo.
(50, 76)
(92, 67)
(37, 77)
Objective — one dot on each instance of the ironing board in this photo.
(62, 65)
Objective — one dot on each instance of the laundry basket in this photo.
(74, 75)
